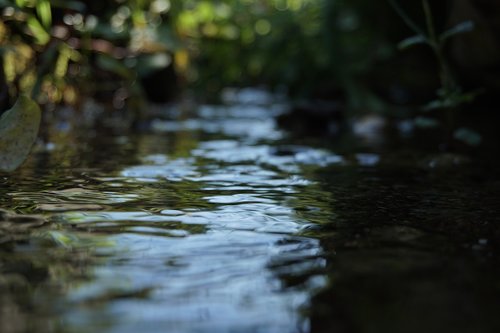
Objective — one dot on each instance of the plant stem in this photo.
(447, 82)
(429, 21)
(406, 18)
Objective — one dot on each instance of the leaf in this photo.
(411, 41)
(426, 122)
(460, 28)
(18, 131)
(44, 12)
(449, 102)
(436, 105)
(468, 136)
(41, 35)
(452, 100)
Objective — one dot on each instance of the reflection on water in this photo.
(206, 241)
(220, 222)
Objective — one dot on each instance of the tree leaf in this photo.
(411, 41)
(18, 131)
(468, 136)
(460, 28)
(41, 35)
(436, 105)
(44, 12)
(426, 122)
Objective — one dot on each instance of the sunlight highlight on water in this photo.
(208, 242)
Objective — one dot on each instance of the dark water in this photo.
(221, 222)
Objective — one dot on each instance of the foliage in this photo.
(54, 49)
(121, 50)
(18, 131)
(235, 42)
(450, 96)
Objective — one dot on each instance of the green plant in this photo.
(246, 42)
(450, 96)
(18, 131)
(52, 49)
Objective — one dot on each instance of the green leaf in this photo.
(460, 28)
(44, 12)
(41, 35)
(468, 136)
(411, 41)
(436, 105)
(426, 122)
(18, 131)
(451, 100)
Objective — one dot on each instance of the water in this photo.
(187, 240)
(222, 222)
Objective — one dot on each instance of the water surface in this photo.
(218, 221)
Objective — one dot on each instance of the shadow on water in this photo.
(222, 223)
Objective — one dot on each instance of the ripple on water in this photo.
(229, 151)
(259, 216)
(237, 199)
(207, 282)
(205, 243)
(71, 199)
(162, 167)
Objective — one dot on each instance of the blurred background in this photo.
(332, 58)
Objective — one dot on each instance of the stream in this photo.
(219, 221)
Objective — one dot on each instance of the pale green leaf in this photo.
(411, 41)
(18, 131)
(444, 103)
(460, 28)
(44, 12)
(41, 35)
(468, 136)
(426, 122)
